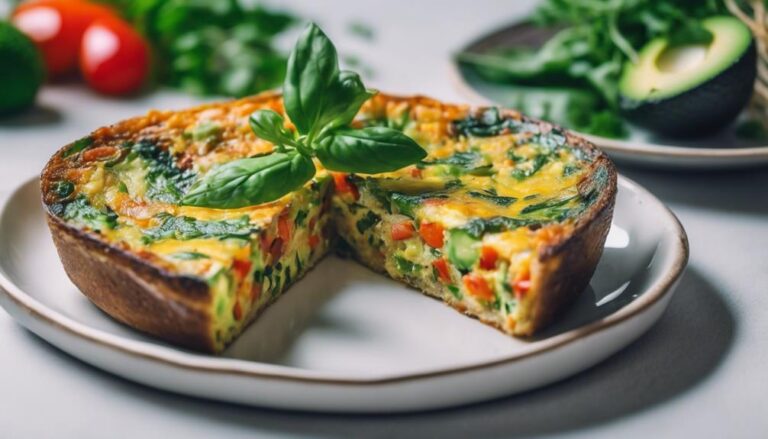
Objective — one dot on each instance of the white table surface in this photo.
(701, 372)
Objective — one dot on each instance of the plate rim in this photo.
(191, 361)
(618, 146)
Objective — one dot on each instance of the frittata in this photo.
(504, 220)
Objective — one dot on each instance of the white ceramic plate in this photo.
(345, 339)
(722, 151)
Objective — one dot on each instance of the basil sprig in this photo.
(321, 101)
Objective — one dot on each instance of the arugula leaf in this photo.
(368, 150)
(251, 181)
(572, 79)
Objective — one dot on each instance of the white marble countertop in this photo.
(700, 372)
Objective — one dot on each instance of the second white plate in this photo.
(347, 340)
(722, 151)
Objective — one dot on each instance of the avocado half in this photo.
(694, 90)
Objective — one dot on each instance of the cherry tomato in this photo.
(114, 58)
(57, 27)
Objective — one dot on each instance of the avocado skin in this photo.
(702, 110)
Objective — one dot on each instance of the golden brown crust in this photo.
(563, 269)
(143, 295)
(136, 293)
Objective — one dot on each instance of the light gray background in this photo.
(702, 371)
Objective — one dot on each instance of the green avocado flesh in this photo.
(697, 88)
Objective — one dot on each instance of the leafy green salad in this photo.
(573, 79)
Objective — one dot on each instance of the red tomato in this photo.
(344, 186)
(401, 231)
(237, 311)
(114, 58)
(488, 257)
(241, 267)
(314, 240)
(432, 234)
(284, 227)
(276, 249)
(57, 27)
(521, 284)
(441, 265)
(477, 286)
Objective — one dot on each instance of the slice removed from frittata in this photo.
(505, 219)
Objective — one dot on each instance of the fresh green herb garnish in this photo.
(251, 181)
(321, 101)
(184, 227)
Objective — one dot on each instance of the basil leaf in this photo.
(268, 125)
(368, 150)
(348, 95)
(313, 69)
(251, 181)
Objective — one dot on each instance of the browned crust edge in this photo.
(174, 307)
